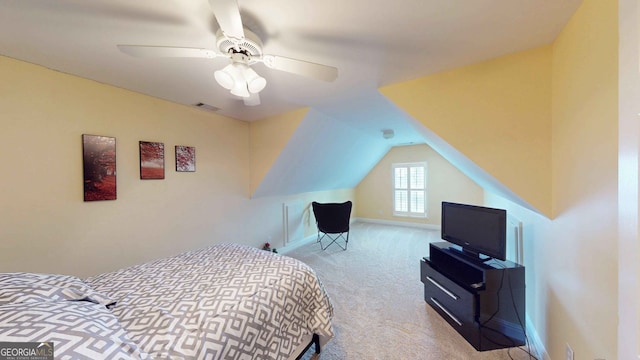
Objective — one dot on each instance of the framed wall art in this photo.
(151, 160)
(185, 158)
(99, 167)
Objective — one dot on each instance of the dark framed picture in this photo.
(99, 167)
(185, 158)
(151, 160)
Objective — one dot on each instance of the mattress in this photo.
(227, 301)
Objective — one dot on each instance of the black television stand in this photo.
(484, 300)
(471, 256)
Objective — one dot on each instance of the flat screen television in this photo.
(476, 229)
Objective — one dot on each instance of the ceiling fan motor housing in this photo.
(250, 46)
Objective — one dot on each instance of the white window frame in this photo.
(411, 191)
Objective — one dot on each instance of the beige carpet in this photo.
(377, 295)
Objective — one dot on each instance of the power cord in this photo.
(511, 344)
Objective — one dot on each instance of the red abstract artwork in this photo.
(185, 158)
(99, 167)
(151, 160)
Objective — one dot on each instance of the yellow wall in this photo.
(582, 278)
(374, 198)
(45, 226)
(544, 123)
(267, 138)
(628, 184)
(497, 113)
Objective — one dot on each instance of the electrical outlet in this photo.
(569, 352)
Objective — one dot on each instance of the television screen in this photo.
(477, 229)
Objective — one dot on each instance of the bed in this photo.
(227, 301)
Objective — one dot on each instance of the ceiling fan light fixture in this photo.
(240, 79)
(255, 82)
(226, 77)
(256, 85)
(240, 89)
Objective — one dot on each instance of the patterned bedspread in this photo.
(227, 301)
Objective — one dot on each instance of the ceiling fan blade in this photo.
(227, 14)
(301, 67)
(252, 100)
(167, 51)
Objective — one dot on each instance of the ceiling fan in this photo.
(243, 48)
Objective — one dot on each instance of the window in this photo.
(410, 189)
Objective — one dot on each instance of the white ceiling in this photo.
(371, 42)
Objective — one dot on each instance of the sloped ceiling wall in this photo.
(336, 149)
(323, 154)
(497, 116)
(337, 146)
(267, 139)
(491, 120)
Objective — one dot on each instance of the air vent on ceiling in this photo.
(206, 107)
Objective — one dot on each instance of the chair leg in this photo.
(346, 241)
(335, 240)
(332, 241)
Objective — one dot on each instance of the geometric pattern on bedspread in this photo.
(79, 330)
(228, 301)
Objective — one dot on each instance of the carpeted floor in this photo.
(380, 312)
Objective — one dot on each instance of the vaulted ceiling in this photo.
(371, 43)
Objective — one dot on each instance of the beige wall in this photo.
(550, 134)
(46, 226)
(267, 138)
(374, 198)
(628, 170)
(549, 113)
(582, 252)
(497, 113)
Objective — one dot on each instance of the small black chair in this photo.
(332, 220)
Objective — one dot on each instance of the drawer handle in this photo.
(446, 312)
(431, 280)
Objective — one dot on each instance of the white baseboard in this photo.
(296, 244)
(398, 223)
(536, 345)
